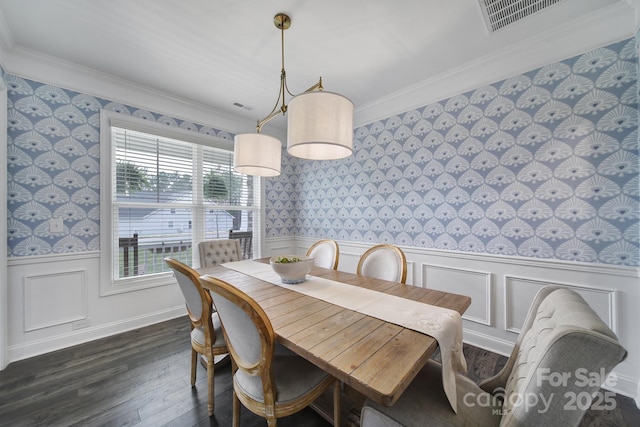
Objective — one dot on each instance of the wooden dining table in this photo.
(377, 358)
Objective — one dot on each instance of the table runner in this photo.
(442, 324)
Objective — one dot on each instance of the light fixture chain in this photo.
(283, 22)
(319, 126)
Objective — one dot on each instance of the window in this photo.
(168, 189)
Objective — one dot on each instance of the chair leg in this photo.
(236, 410)
(210, 383)
(336, 404)
(194, 362)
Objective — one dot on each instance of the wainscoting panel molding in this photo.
(54, 299)
(54, 302)
(520, 289)
(476, 284)
(411, 279)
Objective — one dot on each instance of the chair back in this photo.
(386, 262)
(325, 253)
(564, 352)
(198, 301)
(246, 242)
(218, 251)
(125, 243)
(247, 329)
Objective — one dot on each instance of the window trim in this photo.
(108, 119)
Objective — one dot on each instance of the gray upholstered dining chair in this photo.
(386, 262)
(562, 342)
(218, 251)
(325, 253)
(270, 383)
(207, 338)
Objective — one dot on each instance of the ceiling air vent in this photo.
(239, 105)
(500, 13)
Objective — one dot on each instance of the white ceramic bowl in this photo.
(292, 272)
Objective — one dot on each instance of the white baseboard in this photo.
(487, 342)
(57, 342)
(625, 386)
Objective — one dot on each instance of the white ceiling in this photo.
(215, 53)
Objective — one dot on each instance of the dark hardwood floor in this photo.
(141, 378)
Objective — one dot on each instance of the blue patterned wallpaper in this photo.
(543, 165)
(53, 165)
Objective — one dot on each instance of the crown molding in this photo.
(43, 68)
(6, 39)
(635, 5)
(597, 29)
(51, 70)
(576, 37)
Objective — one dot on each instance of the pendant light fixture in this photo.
(319, 126)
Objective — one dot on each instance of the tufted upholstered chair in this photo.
(561, 336)
(218, 251)
(268, 382)
(386, 262)
(325, 253)
(206, 331)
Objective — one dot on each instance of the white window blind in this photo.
(167, 195)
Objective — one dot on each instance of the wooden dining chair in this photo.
(325, 253)
(218, 251)
(207, 338)
(562, 356)
(270, 384)
(386, 262)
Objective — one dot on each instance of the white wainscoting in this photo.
(54, 302)
(521, 289)
(475, 284)
(502, 289)
(54, 299)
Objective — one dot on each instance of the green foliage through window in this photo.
(130, 178)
